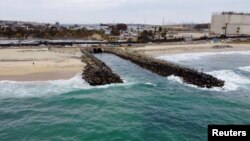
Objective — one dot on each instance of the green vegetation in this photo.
(116, 29)
(46, 32)
(146, 36)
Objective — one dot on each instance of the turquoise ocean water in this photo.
(146, 108)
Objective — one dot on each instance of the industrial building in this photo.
(230, 23)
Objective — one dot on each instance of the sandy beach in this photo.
(42, 64)
(39, 64)
(156, 50)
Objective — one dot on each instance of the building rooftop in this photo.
(231, 13)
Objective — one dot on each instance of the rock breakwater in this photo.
(96, 72)
(164, 68)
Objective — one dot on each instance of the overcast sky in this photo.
(109, 11)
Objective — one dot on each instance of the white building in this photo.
(230, 23)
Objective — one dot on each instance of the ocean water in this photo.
(146, 107)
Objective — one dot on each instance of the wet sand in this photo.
(45, 76)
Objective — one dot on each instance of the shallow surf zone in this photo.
(231, 67)
(197, 56)
(41, 88)
(14, 89)
(247, 68)
(233, 81)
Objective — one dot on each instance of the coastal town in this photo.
(116, 32)
(140, 33)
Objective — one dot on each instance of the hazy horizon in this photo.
(117, 11)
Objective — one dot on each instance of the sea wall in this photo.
(165, 68)
(96, 72)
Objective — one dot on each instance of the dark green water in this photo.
(147, 107)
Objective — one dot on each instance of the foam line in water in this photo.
(232, 80)
(247, 68)
(230, 76)
(14, 89)
(150, 84)
(40, 88)
(196, 56)
(226, 88)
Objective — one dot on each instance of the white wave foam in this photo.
(232, 80)
(230, 76)
(41, 88)
(150, 84)
(247, 68)
(196, 56)
(13, 89)
(175, 78)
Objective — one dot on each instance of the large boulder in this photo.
(96, 72)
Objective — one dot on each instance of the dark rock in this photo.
(165, 68)
(96, 72)
(222, 46)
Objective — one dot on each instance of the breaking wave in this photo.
(41, 88)
(247, 68)
(14, 89)
(232, 80)
(196, 56)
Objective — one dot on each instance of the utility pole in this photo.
(138, 32)
(226, 29)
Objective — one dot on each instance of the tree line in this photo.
(49, 33)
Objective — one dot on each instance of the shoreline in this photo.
(158, 50)
(36, 77)
(39, 64)
(16, 64)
